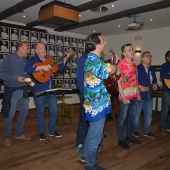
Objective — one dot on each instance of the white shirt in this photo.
(73, 75)
(13, 49)
(51, 52)
(67, 86)
(74, 64)
(4, 35)
(66, 75)
(4, 48)
(74, 44)
(24, 38)
(66, 43)
(32, 51)
(59, 42)
(60, 54)
(43, 40)
(34, 39)
(80, 45)
(14, 36)
(52, 41)
(73, 86)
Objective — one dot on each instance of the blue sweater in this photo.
(165, 73)
(80, 73)
(144, 80)
(30, 68)
(11, 67)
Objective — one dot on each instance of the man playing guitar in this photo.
(42, 100)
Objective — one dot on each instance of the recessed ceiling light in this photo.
(151, 19)
(79, 15)
(94, 31)
(113, 5)
(118, 26)
(23, 16)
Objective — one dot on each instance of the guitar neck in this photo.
(55, 62)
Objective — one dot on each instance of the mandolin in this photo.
(43, 76)
(111, 82)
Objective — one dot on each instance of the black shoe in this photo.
(42, 137)
(133, 140)
(109, 116)
(123, 144)
(55, 134)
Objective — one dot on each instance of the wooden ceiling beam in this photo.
(126, 13)
(19, 7)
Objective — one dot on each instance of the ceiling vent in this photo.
(99, 9)
(135, 25)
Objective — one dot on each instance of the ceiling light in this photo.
(23, 16)
(113, 5)
(118, 26)
(151, 19)
(94, 31)
(79, 15)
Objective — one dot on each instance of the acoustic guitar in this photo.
(43, 76)
(111, 82)
(167, 82)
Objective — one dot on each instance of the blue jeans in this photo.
(164, 122)
(93, 138)
(41, 102)
(83, 124)
(22, 103)
(126, 112)
(146, 106)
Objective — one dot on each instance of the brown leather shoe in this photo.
(7, 143)
(22, 137)
(163, 132)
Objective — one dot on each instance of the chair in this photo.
(65, 110)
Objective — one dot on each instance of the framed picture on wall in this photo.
(67, 73)
(43, 37)
(52, 39)
(60, 40)
(67, 83)
(74, 63)
(25, 35)
(60, 52)
(15, 34)
(80, 52)
(4, 32)
(59, 81)
(73, 73)
(80, 43)
(52, 50)
(13, 45)
(4, 44)
(74, 42)
(66, 41)
(32, 48)
(73, 84)
(34, 36)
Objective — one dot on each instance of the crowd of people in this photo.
(136, 84)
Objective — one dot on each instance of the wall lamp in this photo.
(138, 51)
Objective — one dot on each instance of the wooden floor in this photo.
(24, 156)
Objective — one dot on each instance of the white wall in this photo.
(157, 41)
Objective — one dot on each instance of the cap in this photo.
(25, 32)
(52, 36)
(4, 29)
(15, 31)
(3, 42)
(52, 47)
(14, 43)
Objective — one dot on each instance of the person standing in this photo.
(147, 82)
(128, 95)
(164, 122)
(42, 100)
(15, 92)
(96, 98)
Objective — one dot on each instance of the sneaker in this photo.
(83, 159)
(163, 132)
(124, 144)
(136, 134)
(150, 135)
(42, 137)
(7, 143)
(79, 149)
(23, 137)
(55, 134)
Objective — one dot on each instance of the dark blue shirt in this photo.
(11, 67)
(165, 73)
(30, 68)
(80, 73)
(144, 79)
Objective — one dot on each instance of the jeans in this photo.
(22, 103)
(164, 122)
(93, 138)
(146, 106)
(41, 102)
(83, 124)
(126, 112)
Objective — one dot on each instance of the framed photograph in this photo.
(43, 37)
(4, 32)
(59, 81)
(60, 40)
(73, 84)
(59, 75)
(34, 36)
(66, 41)
(80, 43)
(52, 50)
(60, 52)
(2, 56)
(68, 64)
(52, 39)
(15, 34)
(74, 63)
(80, 52)
(4, 44)
(74, 42)
(73, 73)
(67, 84)
(67, 73)
(13, 45)
(32, 49)
(25, 35)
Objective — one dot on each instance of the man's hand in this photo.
(154, 87)
(20, 79)
(138, 97)
(126, 101)
(143, 88)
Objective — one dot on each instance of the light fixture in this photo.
(138, 51)
(79, 15)
(23, 16)
(113, 6)
(118, 26)
(151, 19)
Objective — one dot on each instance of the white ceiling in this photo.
(161, 18)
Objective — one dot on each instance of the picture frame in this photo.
(4, 46)
(14, 34)
(4, 32)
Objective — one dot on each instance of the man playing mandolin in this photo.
(42, 100)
